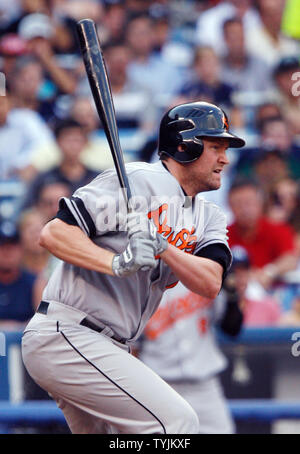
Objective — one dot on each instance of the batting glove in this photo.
(138, 255)
(139, 225)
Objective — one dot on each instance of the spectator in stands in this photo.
(240, 69)
(64, 15)
(292, 316)
(270, 166)
(71, 140)
(206, 83)
(209, 28)
(275, 134)
(25, 8)
(266, 39)
(76, 9)
(271, 246)
(284, 205)
(21, 132)
(112, 26)
(35, 258)
(162, 32)
(266, 111)
(137, 7)
(83, 111)
(288, 98)
(37, 29)
(48, 197)
(176, 50)
(7, 134)
(148, 70)
(17, 286)
(12, 46)
(95, 154)
(26, 82)
(258, 308)
(134, 108)
(8, 13)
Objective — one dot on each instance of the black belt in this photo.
(43, 309)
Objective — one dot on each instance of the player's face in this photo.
(205, 173)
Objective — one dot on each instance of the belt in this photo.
(43, 309)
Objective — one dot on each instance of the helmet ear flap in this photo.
(194, 147)
(182, 146)
(188, 150)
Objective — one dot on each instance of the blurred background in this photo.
(242, 55)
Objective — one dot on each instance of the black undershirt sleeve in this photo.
(73, 212)
(219, 253)
(64, 214)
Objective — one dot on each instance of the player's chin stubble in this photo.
(204, 183)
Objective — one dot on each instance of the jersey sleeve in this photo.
(96, 208)
(214, 227)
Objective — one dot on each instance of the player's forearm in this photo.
(200, 275)
(70, 244)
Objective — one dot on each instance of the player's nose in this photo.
(223, 158)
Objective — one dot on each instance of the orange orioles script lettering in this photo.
(225, 121)
(183, 240)
(177, 309)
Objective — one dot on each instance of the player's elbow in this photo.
(213, 290)
(209, 290)
(213, 286)
(47, 237)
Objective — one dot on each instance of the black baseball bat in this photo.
(101, 91)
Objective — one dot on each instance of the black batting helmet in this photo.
(183, 126)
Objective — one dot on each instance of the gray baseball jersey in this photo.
(126, 304)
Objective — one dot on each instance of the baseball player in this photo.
(179, 344)
(113, 274)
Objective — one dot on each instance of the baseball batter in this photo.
(113, 274)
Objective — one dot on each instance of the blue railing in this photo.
(262, 335)
(41, 413)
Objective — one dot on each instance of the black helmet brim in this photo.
(234, 141)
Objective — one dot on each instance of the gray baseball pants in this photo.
(97, 383)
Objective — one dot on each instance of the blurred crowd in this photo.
(241, 54)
